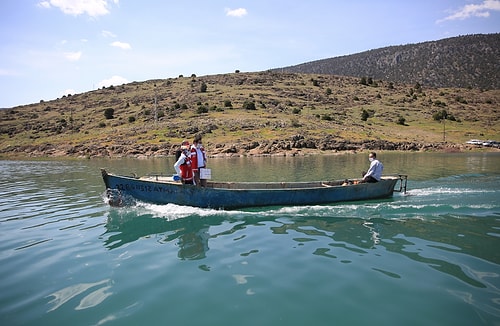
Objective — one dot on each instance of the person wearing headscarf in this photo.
(183, 165)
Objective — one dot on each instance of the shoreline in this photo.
(267, 149)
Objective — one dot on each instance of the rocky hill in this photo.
(261, 113)
(471, 61)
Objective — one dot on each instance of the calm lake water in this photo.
(430, 257)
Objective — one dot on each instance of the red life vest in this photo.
(194, 158)
(186, 169)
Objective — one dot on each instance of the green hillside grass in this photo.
(315, 108)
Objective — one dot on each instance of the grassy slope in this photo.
(286, 105)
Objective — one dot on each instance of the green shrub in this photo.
(109, 113)
(439, 115)
(439, 103)
(364, 115)
(202, 109)
(249, 105)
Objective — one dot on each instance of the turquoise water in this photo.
(428, 257)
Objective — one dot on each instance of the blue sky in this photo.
(50, 48)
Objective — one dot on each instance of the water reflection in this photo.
(92, 299)
(189, 233)
(425, 241)
(194, 245)
(431, 242)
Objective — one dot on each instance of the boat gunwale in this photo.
(255, 185)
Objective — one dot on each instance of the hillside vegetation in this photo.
(251, 114)
(471, 61)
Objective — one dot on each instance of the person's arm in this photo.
(378, 172)
(177, 165)
(370, 171)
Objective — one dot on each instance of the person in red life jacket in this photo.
(198, 160)
(183, 164)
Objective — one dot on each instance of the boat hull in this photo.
(219, 195)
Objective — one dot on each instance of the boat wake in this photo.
(173, 211)
(428, 202)
(432, 191)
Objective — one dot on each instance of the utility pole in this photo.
(444, 130)
(156, 109)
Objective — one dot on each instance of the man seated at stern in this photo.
(374, 173)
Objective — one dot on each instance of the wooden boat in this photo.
(158, 189)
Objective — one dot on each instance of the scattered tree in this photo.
(249, 105)
(202, 109)
(364, 115)
(439, 103)
(203, 87)
(443, 115)
(109, 113)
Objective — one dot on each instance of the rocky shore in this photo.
(297, 145)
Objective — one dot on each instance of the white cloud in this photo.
(121, 45)
(73, 56)
(240, 12)
(108, 34)
(44, 4)
(113, 81)
(93, 8)
(474, 10)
